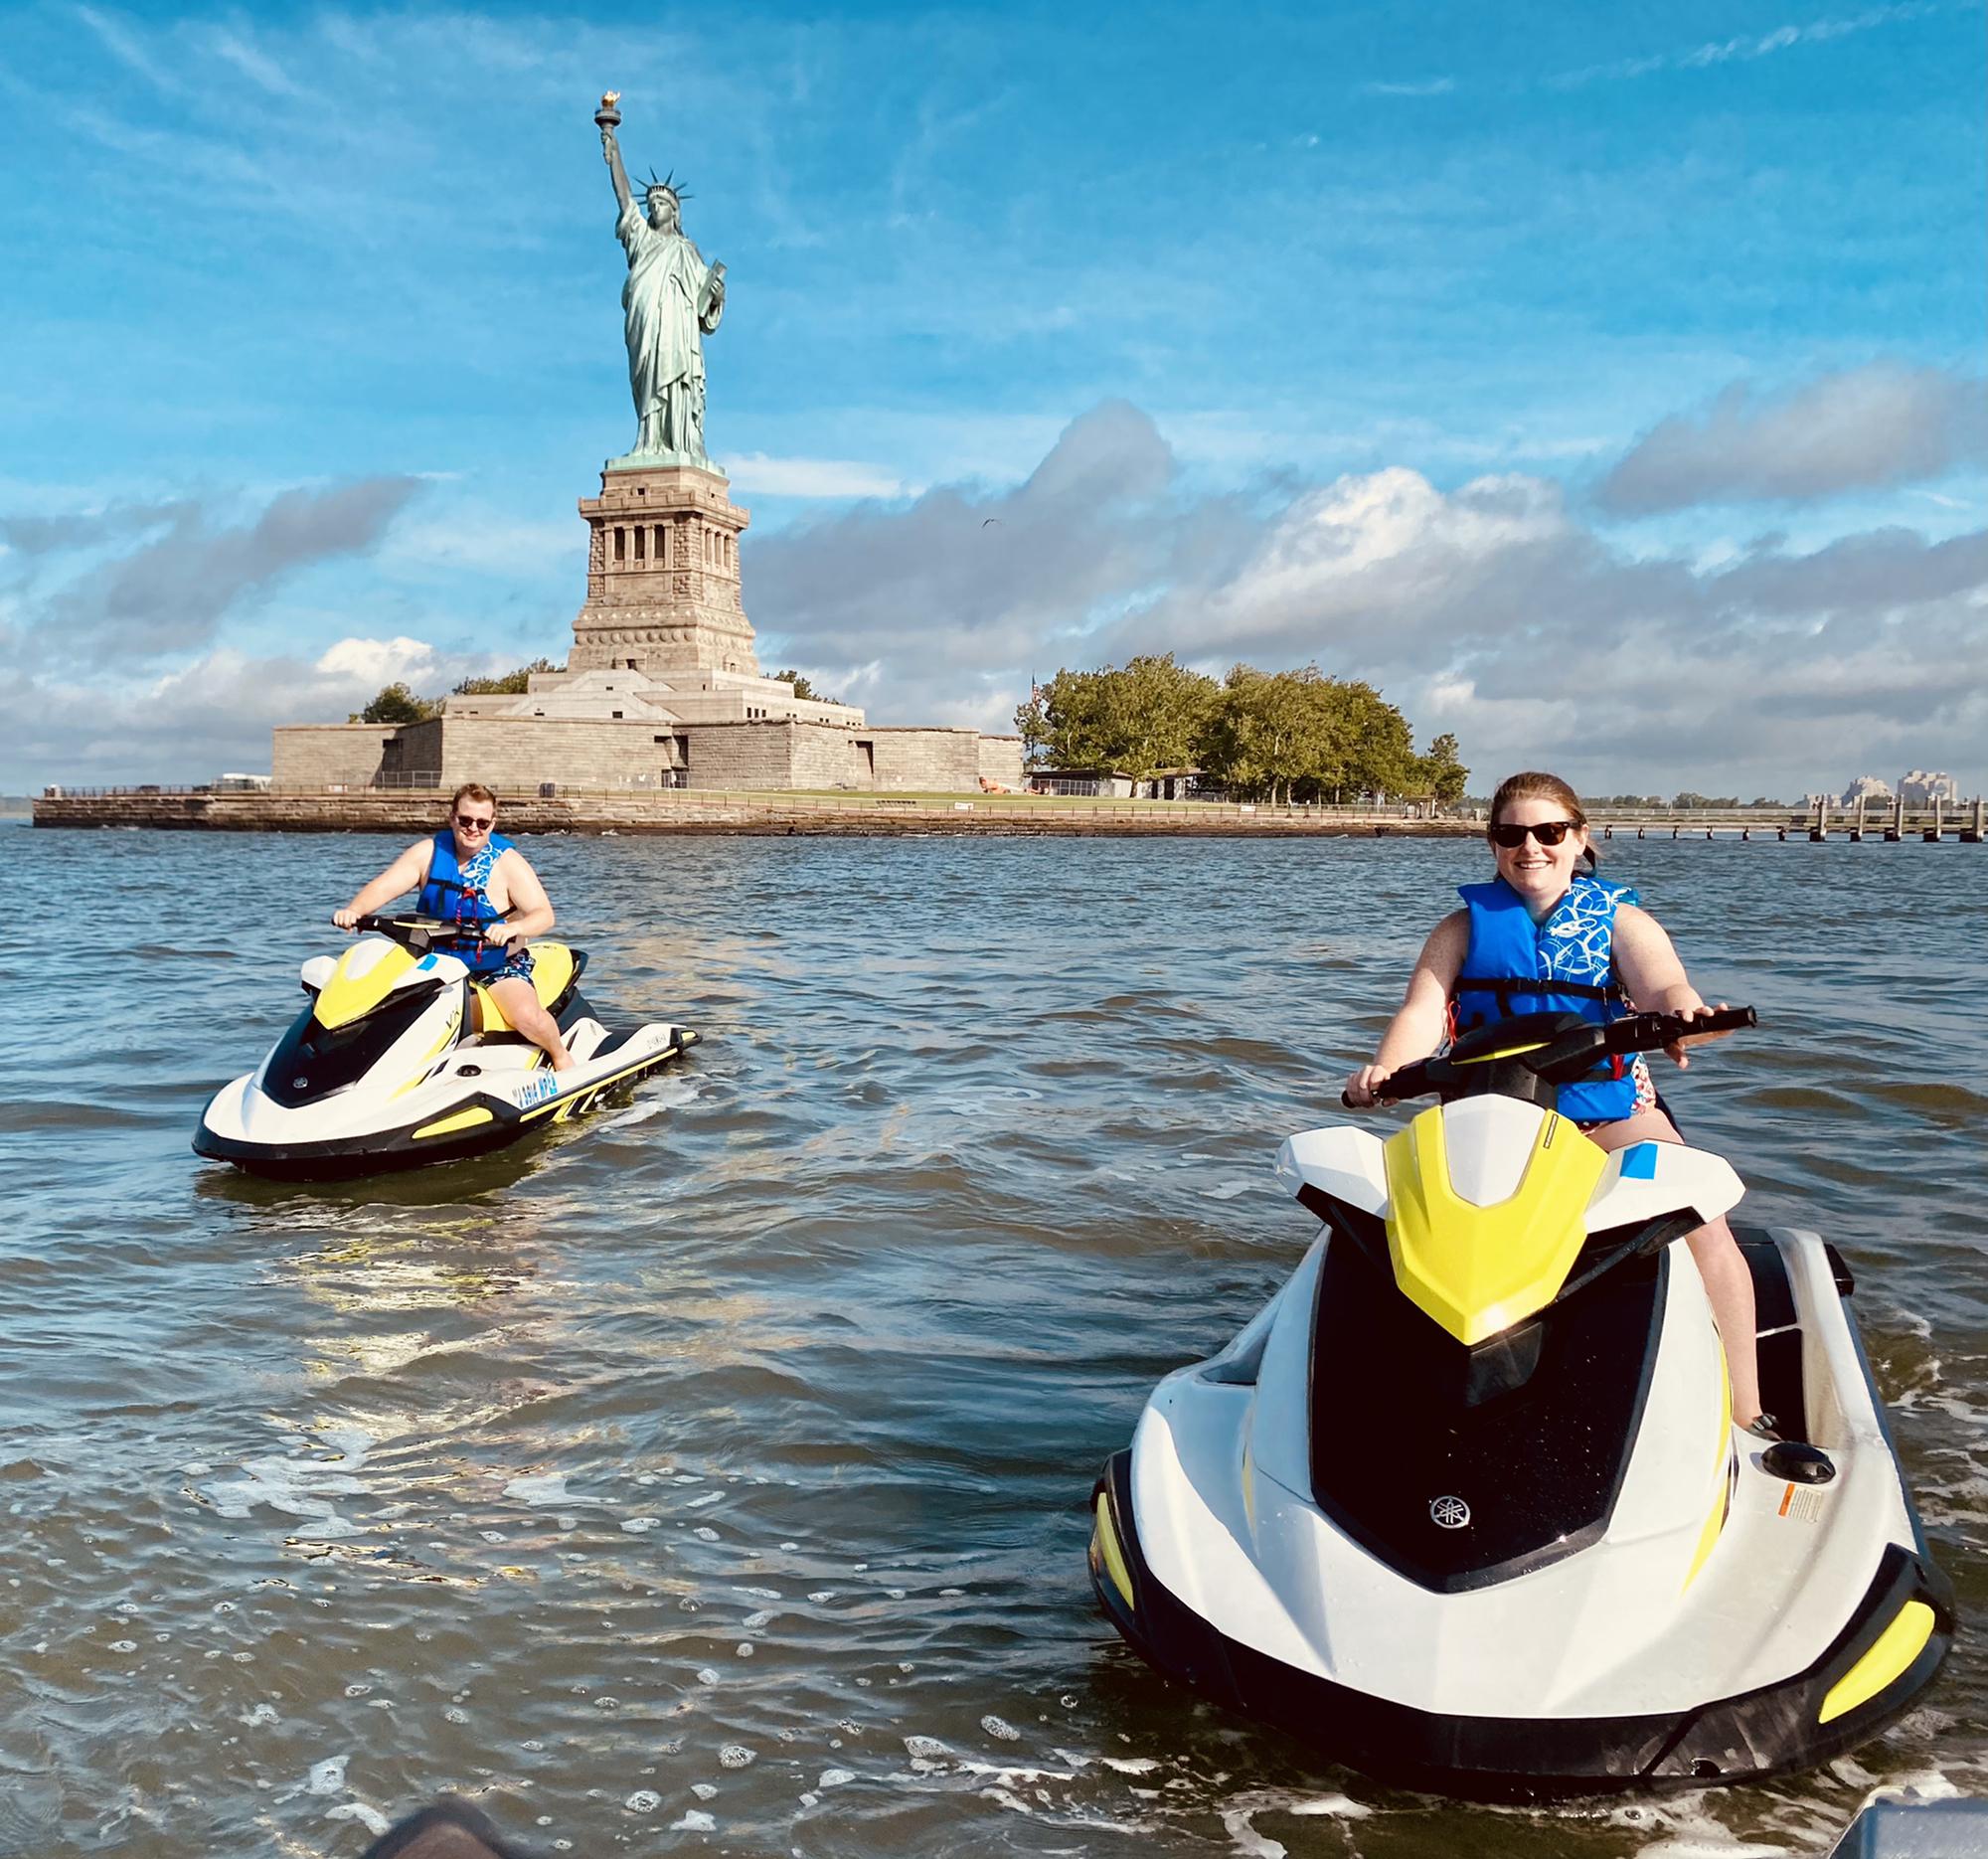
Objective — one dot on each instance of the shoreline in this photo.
(685, 811)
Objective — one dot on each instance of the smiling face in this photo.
(1539, 873)
(475, 821)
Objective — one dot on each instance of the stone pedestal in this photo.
(662, 574)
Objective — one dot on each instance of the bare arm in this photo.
(612, 150)
(1417, 1027)
(530, 910)
(1653, 976)
(404, 874)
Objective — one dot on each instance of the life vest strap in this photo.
(1506, 984)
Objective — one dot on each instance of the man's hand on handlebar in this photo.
(1675, 1050)
(347, 918)
(1363, 1089)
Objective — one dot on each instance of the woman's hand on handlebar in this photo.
(1675, 1050)
(1363, 1089)
(347, 918)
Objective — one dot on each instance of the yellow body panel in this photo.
(1474, 1269)
(1721, 1506)
(1106, 1540)
(1890, 1656)
(552, 969)
(428, 1058)
(346, 997)
(462, 1120)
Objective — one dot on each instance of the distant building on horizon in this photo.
(1920, 788)
(1867, 787)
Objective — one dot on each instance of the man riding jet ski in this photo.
(403, 1058)
(1465, 1506)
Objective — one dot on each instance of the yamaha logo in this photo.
(1450, 1514)
(300, 1083)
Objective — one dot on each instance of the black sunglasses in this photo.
(1546, 832)
(470, 825)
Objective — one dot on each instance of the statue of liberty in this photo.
(672, 299)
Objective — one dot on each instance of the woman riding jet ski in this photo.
(1466, 1507)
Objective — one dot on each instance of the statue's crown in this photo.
(667, 185)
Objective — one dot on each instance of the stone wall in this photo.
(926, 760)
(415, 756)
(1001, 759)
(514, 754)
(745, 755)
(328, 755)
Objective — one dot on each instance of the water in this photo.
(714, 1477)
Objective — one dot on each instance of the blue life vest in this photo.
(1563, 965)
(455, 892)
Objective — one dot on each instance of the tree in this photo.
(804, 687)
(1443, 773)
(397, 704)
(1302, 736)
(1154, 714)
(1256, 739)
(1379, 749)
(511, 683)
(1132, 722)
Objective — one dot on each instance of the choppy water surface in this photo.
(715, 1477)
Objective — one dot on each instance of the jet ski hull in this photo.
(1824, 1622)
(471, 1123)
(1747, 1738)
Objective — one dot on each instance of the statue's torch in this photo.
(608, 116)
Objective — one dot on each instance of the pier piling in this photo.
(1897, 830)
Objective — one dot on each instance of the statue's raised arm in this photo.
(671, 301)
(610, 117)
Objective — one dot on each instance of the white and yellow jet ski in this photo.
(1464, 1507)
(402, 1059)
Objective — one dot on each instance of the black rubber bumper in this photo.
(1761, 1733)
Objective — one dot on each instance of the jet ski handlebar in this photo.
(417, 934)
(1557, 1048)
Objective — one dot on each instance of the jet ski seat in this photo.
(552, 970)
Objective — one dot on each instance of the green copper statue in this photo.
(672, 299)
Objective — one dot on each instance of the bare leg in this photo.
(1728, 1285)
(520, 1002)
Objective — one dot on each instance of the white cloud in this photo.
(813, 477)
(484, 542)
(376, 662)
(1746, 46)
(200, 718)
(1856, 430)
(1492, 609)
(1428, 86)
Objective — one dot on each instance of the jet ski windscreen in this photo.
(1460, 1467)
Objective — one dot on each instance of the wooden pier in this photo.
(1966, 822)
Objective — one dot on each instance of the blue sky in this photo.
(1605, 382)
